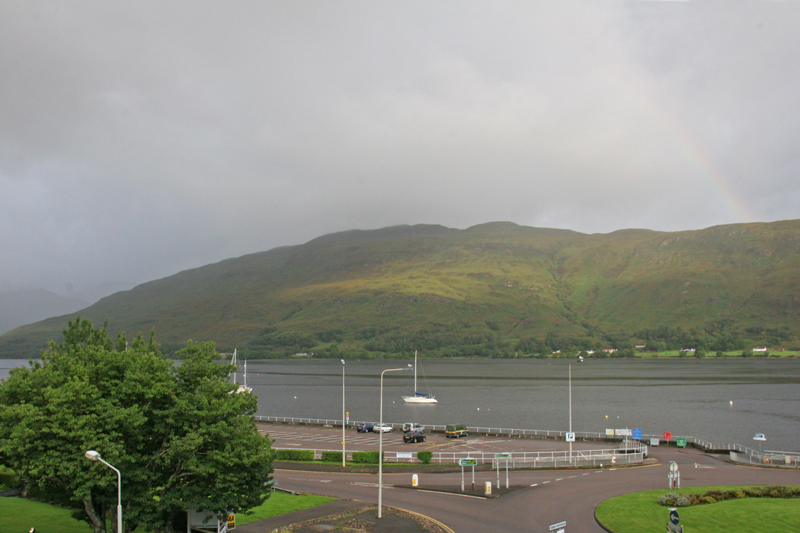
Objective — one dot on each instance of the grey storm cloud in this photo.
(138, 139)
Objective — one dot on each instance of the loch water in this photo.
(718, 400)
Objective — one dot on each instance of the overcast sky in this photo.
(139, 139)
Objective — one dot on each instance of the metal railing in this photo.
(780, 459)
(631, 452)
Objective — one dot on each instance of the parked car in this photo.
(413, 426)
(364, 428)
(413, 436)
(456, 430)
(386, 428)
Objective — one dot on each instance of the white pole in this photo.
(344, 452)
(380, 444)
(415, 372)
(570, 411)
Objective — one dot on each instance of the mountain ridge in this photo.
(494, 289)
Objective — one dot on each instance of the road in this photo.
(544, 497)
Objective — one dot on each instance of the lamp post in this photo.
(344, 453)
(570, 412)
(95, 456)
(380, 442)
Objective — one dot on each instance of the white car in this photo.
(383, 428)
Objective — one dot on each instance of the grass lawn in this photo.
(640, 513)
(282, 503)
(19, 515)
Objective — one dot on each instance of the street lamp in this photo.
(570, 412)
(95, 456)
(380, 442)
(344, 453)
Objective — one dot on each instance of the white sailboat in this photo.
(242, 387)
(419, 397)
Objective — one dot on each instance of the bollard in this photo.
(415, 480)
(488, 488)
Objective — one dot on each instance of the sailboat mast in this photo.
(415, 371)
(235, 364)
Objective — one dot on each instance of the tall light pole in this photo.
(380, 442)
(570, 411)
(344, 453)
(95, 456)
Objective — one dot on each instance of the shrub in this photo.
(294, 455)
(682, 501)
(369, 458)
(332, 457)
(9, 478)
(425, 456)
(668, 499)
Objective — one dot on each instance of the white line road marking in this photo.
(452, 494)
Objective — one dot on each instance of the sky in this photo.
(140, 139)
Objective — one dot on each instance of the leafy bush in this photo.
(9, 479)
(668, 499)
(425, 456)
(369, 458)
(332, 457)
(295, 455)
(671, 499)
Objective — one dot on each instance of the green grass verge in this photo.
(282, 503)
(19, 515)
(640, 513)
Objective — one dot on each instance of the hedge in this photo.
(425, 456)
(370, 458)
(332, 457)
(295, 455)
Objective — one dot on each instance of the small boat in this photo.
(242, 387)
(419, 397)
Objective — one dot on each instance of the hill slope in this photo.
(490, 290)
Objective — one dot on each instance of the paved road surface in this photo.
(544, 497)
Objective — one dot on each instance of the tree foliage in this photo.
(178, 435)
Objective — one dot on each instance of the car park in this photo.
(414, 436)
(365, 427)
(455, 431)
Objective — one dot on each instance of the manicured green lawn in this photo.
(19, 515)
(640, 513)
(282, 503)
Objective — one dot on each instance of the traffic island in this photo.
(479, 492)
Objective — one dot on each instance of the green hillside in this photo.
(496, 289)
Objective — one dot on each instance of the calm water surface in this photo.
(687, 397)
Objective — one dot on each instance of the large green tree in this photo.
(180, 436)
